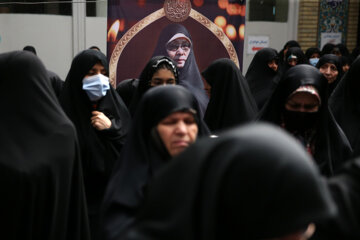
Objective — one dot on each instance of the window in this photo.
(57, 7)
(96, 8)
(268, 10)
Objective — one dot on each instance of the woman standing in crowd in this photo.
(263, 75)
(158, 71)
(41, 181)
(294, 56)
(175, 41)
(166, 122)
(282, 53)
(101, 120)
(231, 102)
(313, 55)
(254, 182)
(327, 49)
(299, 105)
(345, 105)
(330, 66)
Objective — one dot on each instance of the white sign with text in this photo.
(255, 43)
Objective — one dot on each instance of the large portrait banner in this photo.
(140, 29)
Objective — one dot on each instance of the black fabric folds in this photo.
(345, 105)
(143, 155)
(42, 191)
(345, 190)
(126, 89)
(331, 58)
(245, 184)
(56, 83)
(231, 102)
(261, 78)
(99, 149)
(332, 148)
(189, 75)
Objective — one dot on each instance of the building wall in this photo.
(308, 23)
(279, 32)
(352, 24)
(309, 19)
(51, 35)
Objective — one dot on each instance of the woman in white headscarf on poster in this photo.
(175, 41)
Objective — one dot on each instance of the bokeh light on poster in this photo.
(133, 27)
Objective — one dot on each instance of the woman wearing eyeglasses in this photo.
(175, 41)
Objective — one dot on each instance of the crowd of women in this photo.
(177, 153)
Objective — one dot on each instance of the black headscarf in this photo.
(288, 44)
(332, 148)
(331, 58)
(42, 192)
(253, 182)
(99, 149)
(345, 105)
(261, 78)
(342, 49)
(231, 102)
(151, 67)
(143, 155)
(301, 58)
(189, 75)
(126, 89)
(310, 51)
(327, 48)
(56, 82)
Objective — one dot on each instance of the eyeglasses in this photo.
(174, 47)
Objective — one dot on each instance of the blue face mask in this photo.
(96, 86)
(313, 61)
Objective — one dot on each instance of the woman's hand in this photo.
(100, 121)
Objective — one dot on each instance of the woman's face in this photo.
(273, 65)
(292, 61)
(345, 68)
(162, 76)
(98, 68)
(315, 55)
(177, 131)
(179, 50)
(330, 71)
(303, 102)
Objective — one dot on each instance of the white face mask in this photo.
(96, 86)
(313, 61)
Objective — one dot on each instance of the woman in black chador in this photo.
(345, 105)
(263, 75)
(175, 41)
(231, 102)
(282, 53)
(160, 70)
(254, 182)
(330, 66)
(41, 182)
(101, 120)
(294, 56)
(299, 105)
(147, 150)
